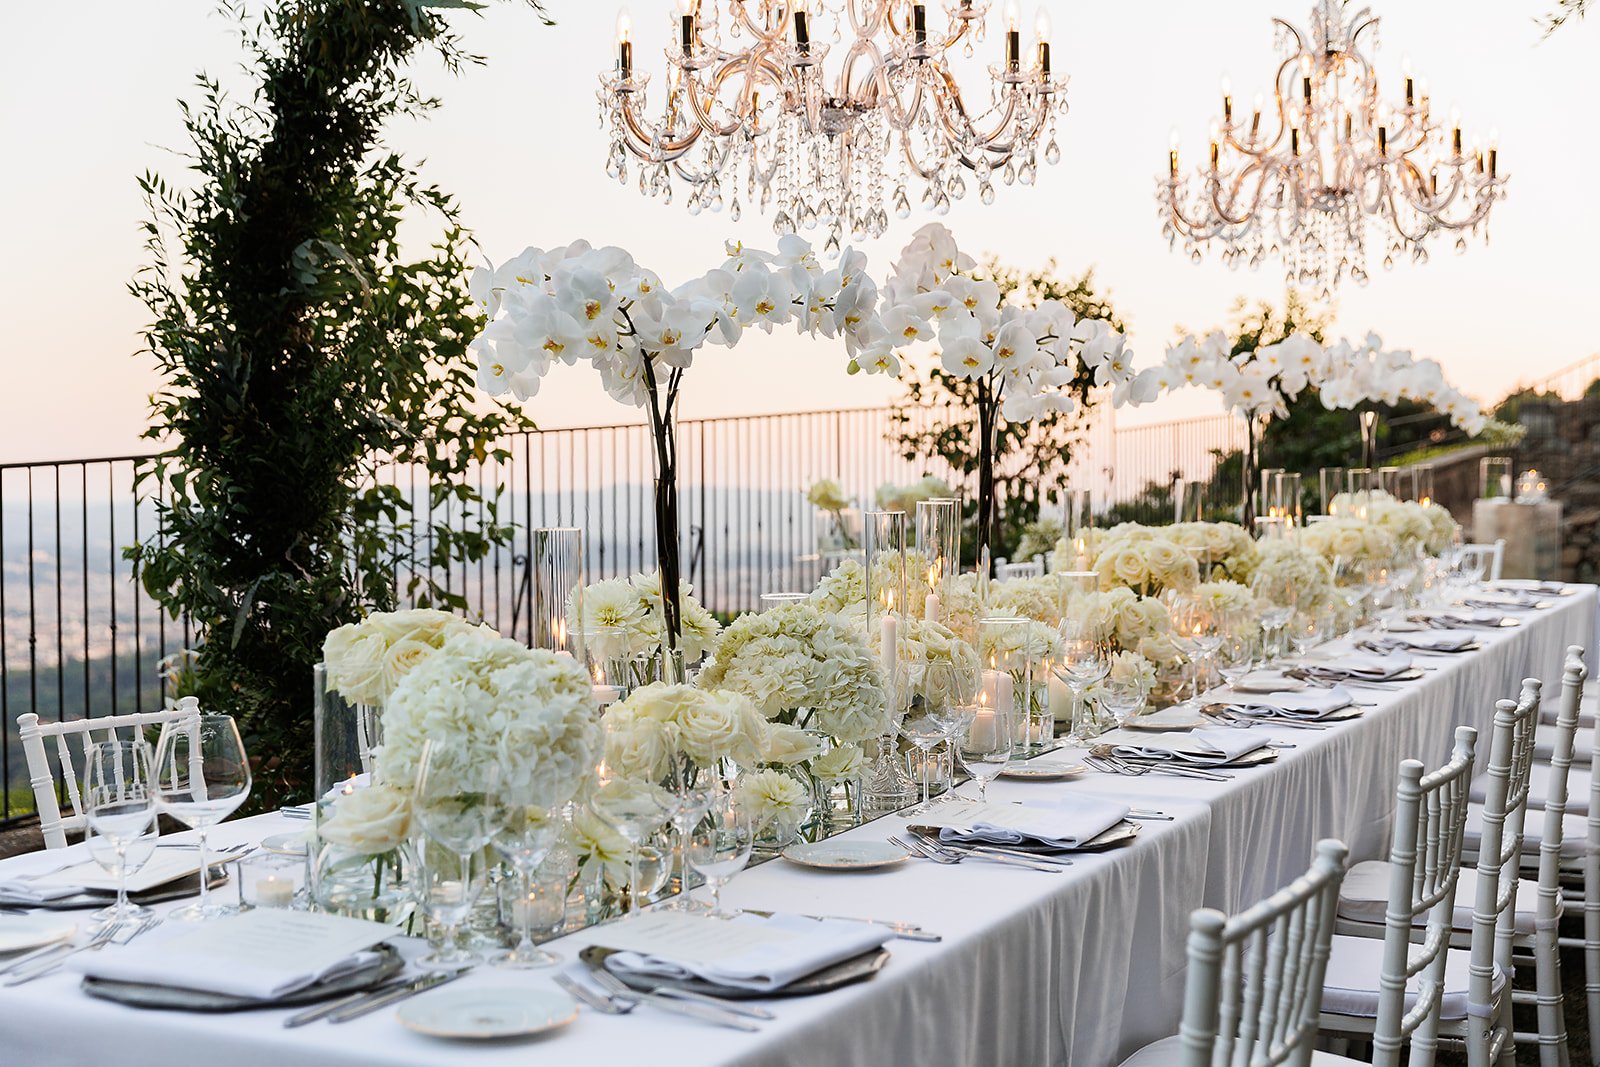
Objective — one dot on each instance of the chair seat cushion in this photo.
(1365, 894)
(1539, 788)
(1168, 1052)
(1574, 833)
(1351, 985)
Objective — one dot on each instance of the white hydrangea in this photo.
(633, 607)
(465, 696)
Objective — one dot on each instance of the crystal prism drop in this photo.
(734, 211)
(1009, 175)
(958, 187)
(902, 206)
(1052, 152)
(1025, 175)
(986, 193)
(694, 203)
(831, 249)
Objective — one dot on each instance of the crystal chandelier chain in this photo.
(831, 113)
(1331, 168)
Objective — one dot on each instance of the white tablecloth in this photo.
(1080, 967)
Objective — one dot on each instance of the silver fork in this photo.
(596, 1000)
(47, 966)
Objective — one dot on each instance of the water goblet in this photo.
(526, 822)
(1082, 661)
(200, 777)
(986, 745)
(634, 808)
(458, 807)
(925, 731)
(719, 847)
(121, 818)
(1122, 696)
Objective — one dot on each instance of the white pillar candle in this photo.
(606, 695)
(930, 610)
(889, 632)
(1060, 699)
(982, 730)
(996, 692)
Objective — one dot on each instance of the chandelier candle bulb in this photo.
(802, 33)
(624, 46)
(919, 24)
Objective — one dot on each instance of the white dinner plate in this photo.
(846, 855)
(1267, 682)
(1167, 720)
(1042, 770)
(18, 932)
(477, 1014)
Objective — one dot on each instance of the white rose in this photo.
(787, 744)
(354, 659)
(637, 746)
(373, 820)
(716, 726)
(841, 763)
(401, 658)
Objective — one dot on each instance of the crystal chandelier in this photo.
(831, 113)
(1330, 167)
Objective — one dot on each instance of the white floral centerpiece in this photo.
(803, 668)
(1350, 540)
(842, 592)
(1144, 561)
(1294, 565)
(1224, 548)
(1426, 527)
(828, 496)
(634, 609)
(366, 660)
(599, 306)
(462, 698)
(1023, 360)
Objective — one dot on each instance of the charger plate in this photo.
(177, 889)
(1253, 758)
(1123, 833)
(847, 972)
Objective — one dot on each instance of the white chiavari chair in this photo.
(37, 738)
(1380, 989)
(1493, 556)
(1254, 987)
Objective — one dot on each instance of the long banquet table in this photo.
(1079, 967)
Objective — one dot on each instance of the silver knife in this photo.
(393, 996)
(750, 1011)
(312, 1014)
(706, 1013)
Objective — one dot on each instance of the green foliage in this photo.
(303, 352)
(1030, 458)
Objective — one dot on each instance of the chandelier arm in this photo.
(1398, 222)
(1237, 185)
(751, 65)
(952, 95)
(865, 26)
(643, 145)
(767, 37)
(1196, 229)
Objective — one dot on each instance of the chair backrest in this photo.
(1573, 675)
(1430, 822)
(1254, 990)
(88, 732)
(1032, 569)
(1505, 804)
(1493, 556)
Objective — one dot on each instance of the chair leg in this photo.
(1552, 1016)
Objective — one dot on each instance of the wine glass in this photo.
(1121, 695)
(692, 786)
(1083, 660)
(527, 821)
(1236, 657)
(925, 730)
(201, 776)
(719, 846)
(986, 745)
(951, 694)
(458, 808)
(121, 817)
(1197, 632)
(634, 808)
(1308, 629)
(447, 884)
(1276, 597)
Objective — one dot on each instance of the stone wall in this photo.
(1563, 442)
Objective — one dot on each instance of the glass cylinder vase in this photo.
(557, 587)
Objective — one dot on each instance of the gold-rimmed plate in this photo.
(1041, 770)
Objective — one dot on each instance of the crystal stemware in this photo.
(634, 808)
(121, 817)
(1082, 661)
(720, 844)
(986, 745)
(201, 776)
(457, 807)
(1122, 696)
(693, 786)
(527, 821)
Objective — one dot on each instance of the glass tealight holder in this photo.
(1285, 502)
(1272, 528)
(557, 587)
(1015, 679)
(1424, 475)
(775, 600)
(1330, 483)
(1189, 500)
(271, 880)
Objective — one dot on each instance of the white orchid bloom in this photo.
(964, 351)
(1015, 346)
(905, 326)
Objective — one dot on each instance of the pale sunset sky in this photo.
(88, 95)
